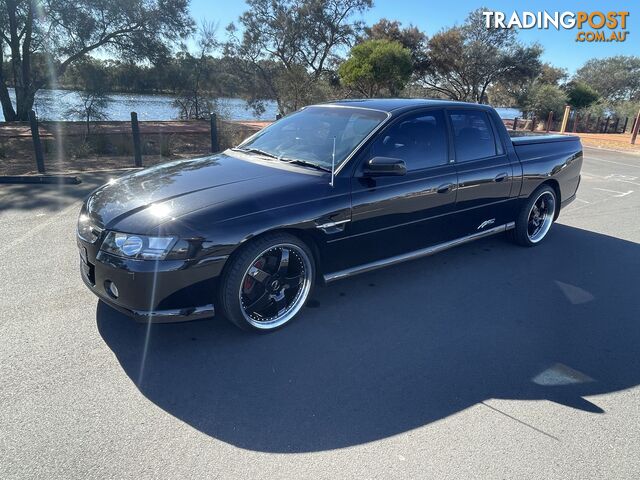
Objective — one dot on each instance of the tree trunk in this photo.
(5, 100)
(20, 66)
(7, 106)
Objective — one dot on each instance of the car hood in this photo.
(140, 201)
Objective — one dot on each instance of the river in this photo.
(54, 104)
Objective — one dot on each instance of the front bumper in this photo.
(155, 316)
(150, 291)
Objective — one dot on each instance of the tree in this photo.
(194, 98)
(410, 37)
(376, 66)
(64, 31)
(616, 79)
(94, 100)
(551, 75)
(465, 61)
(544, 98)
(516, 91)
(291, 44)
(581, 95)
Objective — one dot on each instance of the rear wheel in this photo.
(536, 217)
(268, 282)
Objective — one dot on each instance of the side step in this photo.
(424, 252)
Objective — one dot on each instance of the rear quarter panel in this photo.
(549, 158)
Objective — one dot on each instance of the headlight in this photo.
(138, 246)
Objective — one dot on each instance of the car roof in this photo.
(394, 105)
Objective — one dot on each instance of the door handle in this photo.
(444, 188)
(500, 177)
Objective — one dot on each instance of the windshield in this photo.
(308, 135)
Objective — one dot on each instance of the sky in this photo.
(560, 47)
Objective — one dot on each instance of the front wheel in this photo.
(536, 217)
(267, 283)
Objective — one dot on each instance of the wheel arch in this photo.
(553, 183)
(304, 235)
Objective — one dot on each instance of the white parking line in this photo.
(612, 177)
(616, 176)
(619, 194)
(615, 163)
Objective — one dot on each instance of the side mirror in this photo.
(384, 167)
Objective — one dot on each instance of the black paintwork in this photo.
(226, 199)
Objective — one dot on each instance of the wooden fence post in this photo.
(515, 123)
(135, 130)
(533, 123)
(215, 145)
(576, 118)
(565, 118)
(615, 125)
(624, 127)
(634, 133)
(37, 145)
(549, 120)
(606, 125)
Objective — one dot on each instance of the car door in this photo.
(397, 214)
(485, 174)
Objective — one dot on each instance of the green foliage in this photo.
(289, 45)
(410, 37)
(625, 109)
(377, 66)
(60, 33)
(581, 95)
(551, 75)
(543, 98)
(516, 91)
(465, 61)
(616, 79)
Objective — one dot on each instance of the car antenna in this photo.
(333, 161)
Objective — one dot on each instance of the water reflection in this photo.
(51, 104)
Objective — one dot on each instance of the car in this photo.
(327, 192)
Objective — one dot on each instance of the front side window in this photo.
(472, 135)
(419, 140)
(310, 134)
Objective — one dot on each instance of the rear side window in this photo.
(472, 135)
(420, 140)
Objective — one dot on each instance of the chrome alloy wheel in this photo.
(541, 216)
(275, 286)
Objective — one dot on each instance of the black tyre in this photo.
(267, 282)
(536, 217)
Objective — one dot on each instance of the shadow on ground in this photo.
(396, 349)
(54, 197)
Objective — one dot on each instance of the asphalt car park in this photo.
(485, 361)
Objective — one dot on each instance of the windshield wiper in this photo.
(295, 161)
(304, 163)
(255, 150)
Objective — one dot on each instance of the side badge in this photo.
(486, 223)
